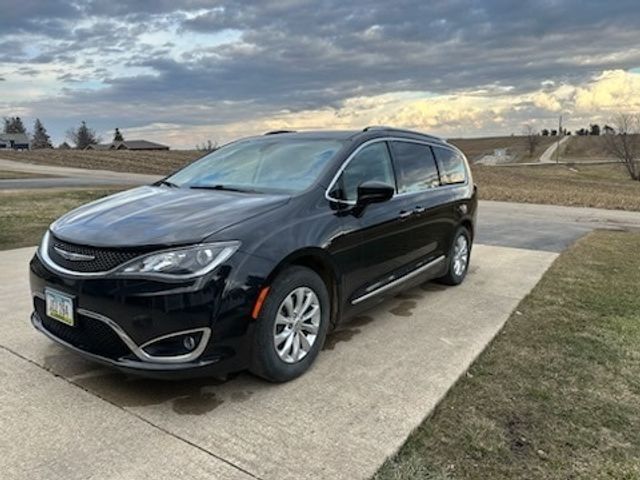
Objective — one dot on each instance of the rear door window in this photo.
(451, 165)
(416, 166)
(373, 162)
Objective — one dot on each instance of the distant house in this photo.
(15, 141)
(98, 146)
(128, 145)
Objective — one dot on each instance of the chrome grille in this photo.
(104, 259)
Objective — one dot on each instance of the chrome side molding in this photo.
(398, 281)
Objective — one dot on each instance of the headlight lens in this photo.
(184, 262)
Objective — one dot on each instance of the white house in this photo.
(15, 141)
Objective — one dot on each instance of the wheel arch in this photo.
(320, 262)
(468, 224)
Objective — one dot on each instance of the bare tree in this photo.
(625, 145)
(83, 136)
(532, 137)
(209, 146)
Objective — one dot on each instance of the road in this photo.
(548, 155)
(545, 227)
(63, 182)
(377, 379)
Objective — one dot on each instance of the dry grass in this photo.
(602, 186)
(161, 162)
(585, 148)
(476, 148)
(26, 214)
(556, 394)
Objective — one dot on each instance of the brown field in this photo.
(166, 162)
(162, 162)
(601, 186)
(476, 148)
(586, 148)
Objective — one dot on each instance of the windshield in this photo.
(262, 165)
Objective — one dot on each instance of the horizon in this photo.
(184, 72)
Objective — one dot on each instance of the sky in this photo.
(182, 72)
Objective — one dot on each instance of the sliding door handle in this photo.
(419, 210)
(405, 214)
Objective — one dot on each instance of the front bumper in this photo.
(118, 317)
(128, 364)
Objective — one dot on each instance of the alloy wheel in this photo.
(460, 255)
(297, 323)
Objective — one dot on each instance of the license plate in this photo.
(59, 307)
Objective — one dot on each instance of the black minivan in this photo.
(245, 258)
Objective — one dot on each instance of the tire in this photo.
(454, 275)
(289, 292)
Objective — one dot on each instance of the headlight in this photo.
(186, 262)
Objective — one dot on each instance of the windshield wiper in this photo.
(167, 183)
(227, 188)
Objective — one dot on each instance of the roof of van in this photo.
(370, 132)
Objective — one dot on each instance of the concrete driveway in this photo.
(377, 379)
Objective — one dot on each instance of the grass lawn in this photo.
(556, 395)
(26, 214)
(603, 186)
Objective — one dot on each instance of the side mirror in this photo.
(373, 191)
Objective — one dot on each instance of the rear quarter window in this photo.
(416, 166)
(451, 165)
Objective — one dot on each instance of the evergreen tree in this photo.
(40, 137)
(13, 125)
(117, 137)
(83, 136)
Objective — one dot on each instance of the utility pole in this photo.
(558, 144)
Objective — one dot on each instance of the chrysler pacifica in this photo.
(246, 258)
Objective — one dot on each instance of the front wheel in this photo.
(458, 259)
(292, 325)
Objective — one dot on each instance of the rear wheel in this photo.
(292, 325)
(458, 259)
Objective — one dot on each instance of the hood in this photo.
(160, 216)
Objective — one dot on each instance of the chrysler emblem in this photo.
(73, 257)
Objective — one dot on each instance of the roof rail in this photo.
(277, 132)
(393, 129)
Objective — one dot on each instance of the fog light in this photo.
(189, 342)
(179, 344)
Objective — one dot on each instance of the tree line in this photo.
(81, 136)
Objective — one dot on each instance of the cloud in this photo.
(613, 90)
(209, 66)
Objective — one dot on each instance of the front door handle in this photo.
(419, 210)
(405, 214)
